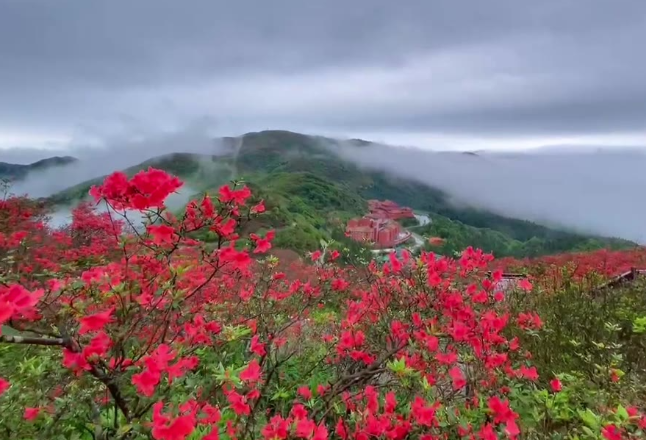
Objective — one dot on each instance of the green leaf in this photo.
(124, 429)
(639, 325)
(425, 384)
(397, 366)
(612, 327)
(280, 394)
(622, 413)
(589, 418)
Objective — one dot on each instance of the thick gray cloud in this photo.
(493, 69)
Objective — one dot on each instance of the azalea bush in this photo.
(584, 269)
(121, 329)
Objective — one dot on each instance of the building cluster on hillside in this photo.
(388, 209)
(379, 227)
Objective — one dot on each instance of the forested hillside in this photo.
(312, 192)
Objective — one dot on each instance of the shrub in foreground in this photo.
(111, 331)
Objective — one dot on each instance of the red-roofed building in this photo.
(361, 229)
(388, 209)
(380, 232)
(379, 226)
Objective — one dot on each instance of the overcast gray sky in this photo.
(454, 74)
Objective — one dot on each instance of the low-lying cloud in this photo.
(598, 192)
(114, 152)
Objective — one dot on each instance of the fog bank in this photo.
(600, 191)
(115, 152)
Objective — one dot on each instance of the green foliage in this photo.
(299, 238)
(33, 364)
(409, 222)
(458, 236)
(303, 207)
(352, 252)
(314, 192)
(546, 240)
(592, 341)
(593, 336)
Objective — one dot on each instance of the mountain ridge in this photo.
(307, 184)
(20, 171)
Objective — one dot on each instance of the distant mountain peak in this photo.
(360, 142)
(16, 171)
(53, 161)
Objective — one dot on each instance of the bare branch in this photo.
(31, 340)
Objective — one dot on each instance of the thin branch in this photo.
(13, 339)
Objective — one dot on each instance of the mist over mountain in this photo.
(590, 191)
(20, 171)
(115, 152)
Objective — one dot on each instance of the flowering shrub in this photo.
(114, 331)
(589, 269)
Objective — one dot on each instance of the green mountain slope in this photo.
(305, 208)
(458, 235)
(276, 152)
(311, 192)
(198, 171)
